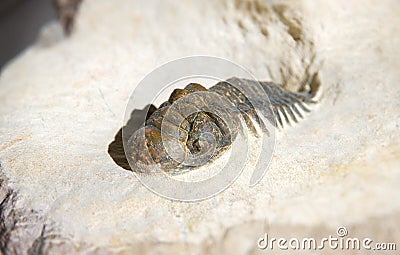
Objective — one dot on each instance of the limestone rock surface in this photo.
(62, 101)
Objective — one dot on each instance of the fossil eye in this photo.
(196, 146)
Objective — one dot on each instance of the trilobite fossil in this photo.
(197, 125)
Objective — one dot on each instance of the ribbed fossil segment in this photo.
(197, 124)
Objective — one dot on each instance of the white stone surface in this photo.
(62, 102)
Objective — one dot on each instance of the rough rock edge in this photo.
(13, 221)
(7, 216)
(24, 231)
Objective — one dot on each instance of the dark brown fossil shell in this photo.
(199, 129)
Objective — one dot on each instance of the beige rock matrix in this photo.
(63, 100)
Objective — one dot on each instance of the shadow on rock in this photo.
(116, 147)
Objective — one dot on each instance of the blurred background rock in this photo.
(20, 23)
